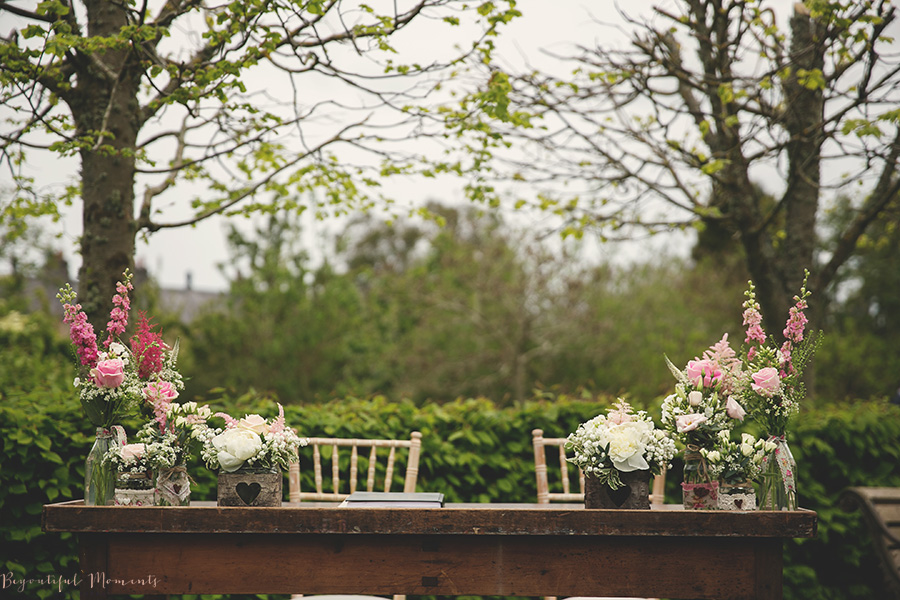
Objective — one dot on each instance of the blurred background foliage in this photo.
(473, 334)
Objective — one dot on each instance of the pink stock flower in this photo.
(766, 382)
(118, 316)
(81, 332)
(796, 323)
(703, 373)
(109, 373)
(686, 423)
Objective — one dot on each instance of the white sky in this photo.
(171, 254)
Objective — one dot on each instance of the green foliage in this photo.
(473, 451)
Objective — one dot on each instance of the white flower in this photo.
(77, 381)
(695, 398)
(254, 423)
(746, 449)
(117, 349)
(234, 446)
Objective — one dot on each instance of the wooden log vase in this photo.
(634, 494)
(249, 487)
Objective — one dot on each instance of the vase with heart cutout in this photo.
(737, 496)
(634, 493)
(699, 491)
(173, 486)
(250, 486)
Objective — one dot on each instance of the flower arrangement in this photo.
(130, 458)
(704, 403)
(619, 442)
(251, 442)
(170, 438)
(114, 378)
(733, 462)
(772, 386)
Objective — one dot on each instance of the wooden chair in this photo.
(338, 491)
(545, 496)
(881, 510)
(331, 449)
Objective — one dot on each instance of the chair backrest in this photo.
(568, 494)
(331, 448)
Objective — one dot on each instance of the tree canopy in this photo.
(722, 114)
(184, 109)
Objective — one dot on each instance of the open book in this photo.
(394, 500)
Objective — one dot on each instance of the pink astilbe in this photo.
(230, 422)
(81, 332)
(724, 357)
(278, 425)
(118, 316)
(147, 346)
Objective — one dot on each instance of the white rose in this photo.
(714, 456)
(234, 446)
(254, 423)
(746, 449)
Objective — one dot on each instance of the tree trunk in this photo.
(105, 107)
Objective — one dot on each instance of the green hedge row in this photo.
(473, 451)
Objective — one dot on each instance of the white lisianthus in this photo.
(234, 446)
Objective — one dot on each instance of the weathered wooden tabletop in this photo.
(477, 549)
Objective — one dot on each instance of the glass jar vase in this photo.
(778, 488)
(135, 489)
(99, 474)
(699, 492)
(173, 486)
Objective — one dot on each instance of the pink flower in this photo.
(734, 410)
(132, 451)
(703, 373)
(766, 382)
(621, 414)
(686, 423)
(81, 332)
(118, 316)
(160, 391)
(109, 373)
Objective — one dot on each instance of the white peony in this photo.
(626, 446)
(234, 446)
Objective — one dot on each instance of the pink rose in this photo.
(703, 373)
(686, 423)
(734, 410)
(160, 391)
(766, 382)
(132, 451)
(109, 373)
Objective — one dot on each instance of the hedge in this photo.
(473, 451)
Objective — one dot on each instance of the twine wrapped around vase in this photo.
(174, 485)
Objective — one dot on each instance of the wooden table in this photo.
(477, 549)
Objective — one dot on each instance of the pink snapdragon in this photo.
(118, 316)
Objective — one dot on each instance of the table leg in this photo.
(92, 557)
